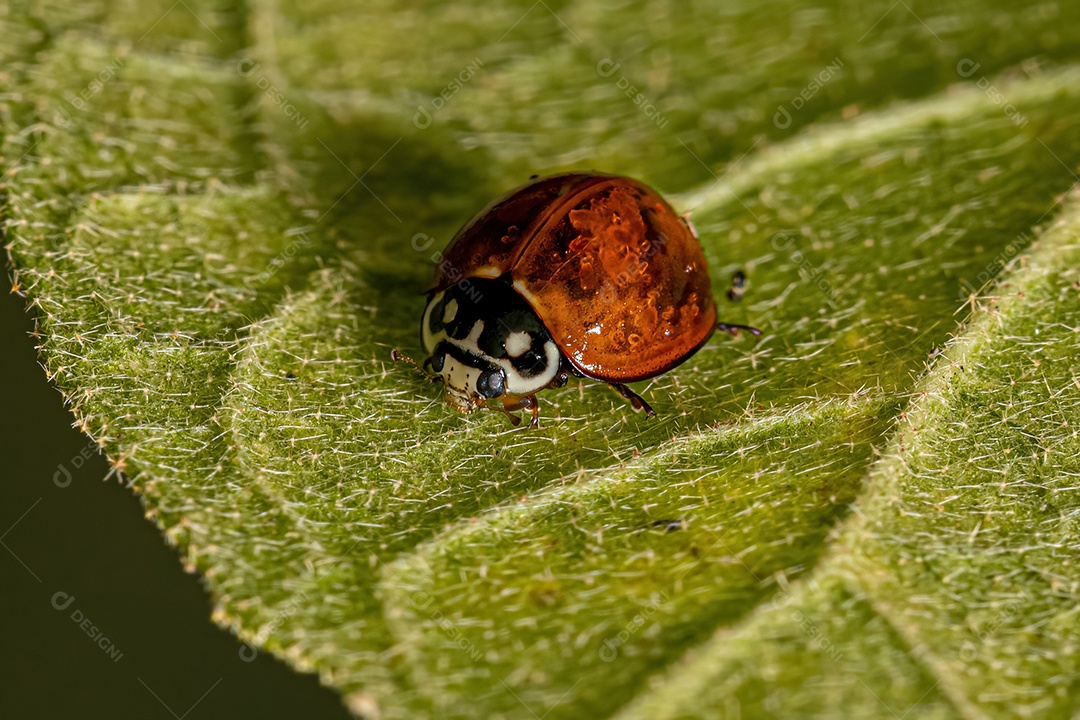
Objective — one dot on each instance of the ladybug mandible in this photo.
(582, 274)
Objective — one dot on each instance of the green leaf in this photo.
(217, 213)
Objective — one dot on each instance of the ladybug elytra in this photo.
(581, 274)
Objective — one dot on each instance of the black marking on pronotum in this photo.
(515, 316)
(435, 323)
(463, 357)
(532, 363)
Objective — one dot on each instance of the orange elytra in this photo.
(582, 274)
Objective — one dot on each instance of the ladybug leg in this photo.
(738, 286)
(560, 380)
(511, 403)
(636, 400)
(733, 330)
(514, 419)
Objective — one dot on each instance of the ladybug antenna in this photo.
(733, 330)
(397, 356)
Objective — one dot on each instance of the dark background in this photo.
(91, 541)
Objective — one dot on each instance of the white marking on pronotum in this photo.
(429, 339)
(518, 343)
(451, 311)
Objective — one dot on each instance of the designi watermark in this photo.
(969, 650)
(422, 601)
(300, 240)
(247, 651)
(62, 477)
(782, 600)
(609, 649)
(967, 67)
(251, 68)
(421, 242)
(607, 68)
(782, 118)
(783, 242)
(62, 118)
(996, 265)
(62, 601)
(423, 117)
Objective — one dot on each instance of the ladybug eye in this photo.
(491, 383)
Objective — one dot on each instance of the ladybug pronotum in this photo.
(582, 274)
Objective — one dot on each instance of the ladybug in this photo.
(583, 274)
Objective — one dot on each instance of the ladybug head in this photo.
(485, 342)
